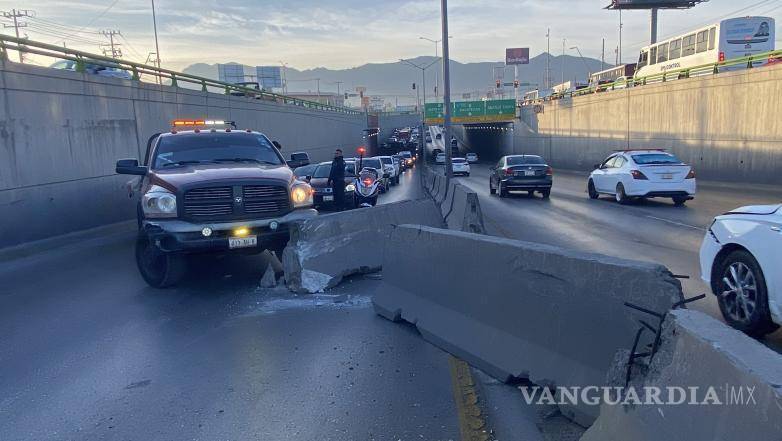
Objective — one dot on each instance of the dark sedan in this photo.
(323, 197)
(528, 173)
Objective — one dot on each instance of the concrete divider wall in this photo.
(61, 133)
(329, 247)
(518, 309)
(699, 352)
(459, 206)
(727, 126)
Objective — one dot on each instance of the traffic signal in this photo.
(515, 84)
(413, 86)
(499, 84)
(346, 95)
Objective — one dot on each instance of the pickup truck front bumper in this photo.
(175, 235)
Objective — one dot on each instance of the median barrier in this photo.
(324, 249)
(518, 309)
(697, 353)
(459, 206)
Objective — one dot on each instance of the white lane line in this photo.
(676, 223)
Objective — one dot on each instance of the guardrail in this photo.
(136, 70)
(695, 71)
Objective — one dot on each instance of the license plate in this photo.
(242, 242)
(529, 172)
(668, 176)
(328, 198)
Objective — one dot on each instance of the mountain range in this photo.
(395, 80)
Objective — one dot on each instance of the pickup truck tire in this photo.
(159, 269)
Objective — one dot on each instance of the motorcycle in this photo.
(367, 188)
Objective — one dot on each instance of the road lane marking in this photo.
(472, 424)
(676, 223)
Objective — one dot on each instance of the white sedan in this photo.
(633, 174)
(740, 258)
(460, 166)
(471, 157)
(440, 158)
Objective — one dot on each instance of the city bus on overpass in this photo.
(728, 39)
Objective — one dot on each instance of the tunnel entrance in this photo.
(489, 140)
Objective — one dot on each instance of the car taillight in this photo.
(508, 172)
(638, 175)
(691, 174)
(549, 171)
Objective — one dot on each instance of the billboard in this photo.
(269, 76)
(230, 73)
(518, 55)
(649, 4)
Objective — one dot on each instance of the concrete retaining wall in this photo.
(698, 351)
(61, 133)
(518, 309)
(329, 247)
(727, 126)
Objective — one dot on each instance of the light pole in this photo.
(436, 55)
(446, 92)
(423, 108)
(284, 77)
(157, 46)
(582, 58)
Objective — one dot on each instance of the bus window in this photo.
(662, 53)
(688, 45)
(653, 55)
(643, 59)
(712, 38)
(703, 41)
(676, 50)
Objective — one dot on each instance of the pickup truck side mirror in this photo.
(130, 167)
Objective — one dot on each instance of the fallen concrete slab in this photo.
(697, 351)
(517, 309)
(324, 249)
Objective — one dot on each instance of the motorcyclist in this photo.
(337, 180)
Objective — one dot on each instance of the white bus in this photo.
(728, 39)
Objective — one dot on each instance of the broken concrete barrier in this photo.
(459, 206)
(517, 309)
(324, 249)
(727, 386)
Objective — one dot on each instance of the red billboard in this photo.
(649, 4)
(518, 55)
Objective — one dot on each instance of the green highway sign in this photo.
(472, 111)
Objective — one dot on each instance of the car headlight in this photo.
(158, 203)
(301, 195)
(350, 187)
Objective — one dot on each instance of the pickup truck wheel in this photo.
(159, 269)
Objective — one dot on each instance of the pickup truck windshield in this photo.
(196, 148)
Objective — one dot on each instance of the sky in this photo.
(348, 33)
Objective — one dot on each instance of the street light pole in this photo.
(157, 46)
(582, 58)
(423, 109)
(446, 92)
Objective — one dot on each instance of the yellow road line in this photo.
(472, 424)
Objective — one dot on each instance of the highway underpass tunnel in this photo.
(489, 140)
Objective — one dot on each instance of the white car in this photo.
(471, 157)
(440, 158)
(460, 166)
(633, 174)
(740, 259)
(392, 169)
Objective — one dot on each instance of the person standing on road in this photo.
(337, 180)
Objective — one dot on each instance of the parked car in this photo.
(323, 196)
(634, 174)
(471, 157)
(236, 195)
(299, 159)
(528, 173)
(305, 172)
(100, 68)
(460, 166)
(440, 158)
(740, 259)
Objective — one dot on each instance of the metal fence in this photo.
(136, 70)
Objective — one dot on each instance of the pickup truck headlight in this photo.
(159, 203)
(301, 195)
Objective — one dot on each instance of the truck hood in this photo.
(176, 178)
(757, 209)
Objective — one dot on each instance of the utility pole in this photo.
(157, 46)
(621, 25)
(115, 51)
(564, 41)
(446, 92)
(653, 25)
(548, 59)
(284, 77)
(603, 56)
(338, 83)
(16, 14)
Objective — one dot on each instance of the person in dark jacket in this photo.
(337, 180)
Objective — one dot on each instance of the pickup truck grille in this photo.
(233, 203)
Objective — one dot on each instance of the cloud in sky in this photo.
(347, 33)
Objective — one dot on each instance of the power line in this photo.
(114, 48)
(98, 17)
(16, 14)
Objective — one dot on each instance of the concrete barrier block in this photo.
(700, 352)
(517, 309)
(462, 210)
(327, 248)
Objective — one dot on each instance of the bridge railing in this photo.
(136, 70)
(749, 62)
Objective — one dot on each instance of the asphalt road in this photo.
(89, 352)
(653, 230)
